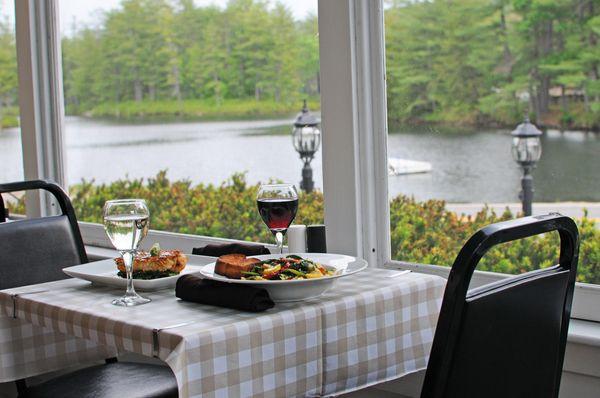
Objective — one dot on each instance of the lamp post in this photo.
(306, 138)
(526, 150)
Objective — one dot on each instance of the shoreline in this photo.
(223, 114)
(462, 127)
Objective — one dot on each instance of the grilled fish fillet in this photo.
(167, 260)
(232, 265)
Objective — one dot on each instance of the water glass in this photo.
(126, 223)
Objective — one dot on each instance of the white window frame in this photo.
(354, 118)
(37, 33)
(359, 62)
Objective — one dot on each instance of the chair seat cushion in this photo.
(119, 379)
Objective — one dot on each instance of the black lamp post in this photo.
(306, 138)
(526, 150)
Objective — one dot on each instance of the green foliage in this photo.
(475, 61)
(9, 117)
(9, 111)
(151, 57)
(226, 211)
(422, 232)
(198, 109)
(425, 232)
(471, 62)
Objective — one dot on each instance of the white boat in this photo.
(404, 166)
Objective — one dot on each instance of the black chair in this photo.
(505, 339)
(35, 251)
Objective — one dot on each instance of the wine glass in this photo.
(126, 224)
(277, 205)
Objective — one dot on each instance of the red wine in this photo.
(278, 214)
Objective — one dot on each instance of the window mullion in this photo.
(354, 128)
(40, 98)
(340, 127)
(370, 61)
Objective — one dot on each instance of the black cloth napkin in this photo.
(217, 250)
(223, 294)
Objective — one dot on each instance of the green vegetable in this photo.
(294, 257)
(293, 271)
(148, 274)
(250, 273)
(155, 249)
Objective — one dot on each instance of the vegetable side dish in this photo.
(237, 266)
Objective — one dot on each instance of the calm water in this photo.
(467, 167)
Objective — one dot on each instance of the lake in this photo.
(466, 166)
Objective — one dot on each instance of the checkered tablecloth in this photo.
(371, 327)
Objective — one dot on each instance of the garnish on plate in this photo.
(154, 264)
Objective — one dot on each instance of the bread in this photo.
(232, 265)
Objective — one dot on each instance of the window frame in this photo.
(372, 37)
(37, 34)
(354, 115)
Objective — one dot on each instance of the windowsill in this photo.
(580, 331)
(584, 332)
(585, 299)
(99, 253)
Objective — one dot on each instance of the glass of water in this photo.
(126, 224)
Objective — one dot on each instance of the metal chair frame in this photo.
(61, 197)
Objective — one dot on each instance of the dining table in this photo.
(370, 327)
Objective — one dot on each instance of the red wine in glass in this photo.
(278, 214)
(277, 205)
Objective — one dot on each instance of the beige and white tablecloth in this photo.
(369, 328)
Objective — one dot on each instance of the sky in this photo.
(86, 11)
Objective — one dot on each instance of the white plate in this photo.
(298, 289)
(104, 272)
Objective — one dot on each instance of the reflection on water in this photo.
(467, 167)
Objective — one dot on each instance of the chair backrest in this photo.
(505, 339)
(35, 250)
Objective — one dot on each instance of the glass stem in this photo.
(279, 239)
(128, 262)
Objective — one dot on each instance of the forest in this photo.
(487, 62)
(461, 63)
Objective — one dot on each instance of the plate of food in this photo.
(153, 270)
(290, 277)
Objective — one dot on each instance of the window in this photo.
(188, 105)
(11, 155)
(355, 166)
(10, 134)
(460, 78)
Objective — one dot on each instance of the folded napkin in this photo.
(222, 294)
(217, 250)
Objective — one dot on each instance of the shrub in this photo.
(423, 232)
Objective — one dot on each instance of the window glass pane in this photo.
(11, 158)
(460, 77)
(189, 105)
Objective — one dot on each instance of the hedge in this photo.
(423, 232)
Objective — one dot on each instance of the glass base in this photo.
(130, 301)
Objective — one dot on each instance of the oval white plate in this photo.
(298, 289)
(104, 272)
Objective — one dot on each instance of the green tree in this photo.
(481, 61)
(8, 74)
(153, 50)
(308, 57)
